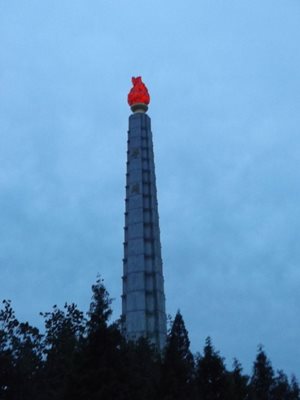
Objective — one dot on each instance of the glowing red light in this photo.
(139, 92)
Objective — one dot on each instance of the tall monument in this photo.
(143, 299)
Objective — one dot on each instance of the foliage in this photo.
(85, 357)
(64, 330)
(238, 382)
(177, 378)
(20, 356)
(262, 378)
(212, 380)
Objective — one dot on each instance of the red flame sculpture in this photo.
(139, 93)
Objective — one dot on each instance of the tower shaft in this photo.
(143, 300)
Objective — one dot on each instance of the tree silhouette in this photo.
(20, 357)
(178, 367)
(212, 377)
(98, 363)
(141, 369)
(238, 382)
(85, 357)
(64, 331)
(280, 387)
(262, 377)
(294, 389)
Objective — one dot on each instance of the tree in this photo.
(280, 387)
(141, 369)
(262, 377)
(294, 389)
(64, 331)
(8, 325)
(212, 377)
(98, 367)
(100, 307)
(20, 357)
(238, 382)
(178, 365)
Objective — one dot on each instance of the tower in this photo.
(143, 299)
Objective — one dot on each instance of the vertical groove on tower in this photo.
(143, 300)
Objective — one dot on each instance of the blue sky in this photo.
(225, 86)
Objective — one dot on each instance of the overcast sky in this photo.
(224, 80)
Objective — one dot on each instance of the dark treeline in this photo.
(81, 356)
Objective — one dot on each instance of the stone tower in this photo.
(143, 299)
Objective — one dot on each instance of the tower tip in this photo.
(138, 97)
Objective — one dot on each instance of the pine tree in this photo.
(63, 336)
(238, 382)
(178, 365)
(212, 377)
(280, 387)
(294, 389)
(100, 307)
(8, 324)
(98, 364)
(262, 377)
(142, 372)
(20, 357)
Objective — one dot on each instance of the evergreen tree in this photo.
(8, 324)
(100, 308)
(86, 358)
(238, 382)
(98, 364)
(262, 377)
(20, 357)
(143, 370)
(212, 377)
(63, 336)
(280, 387)
(294, 389)
(178, 365)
